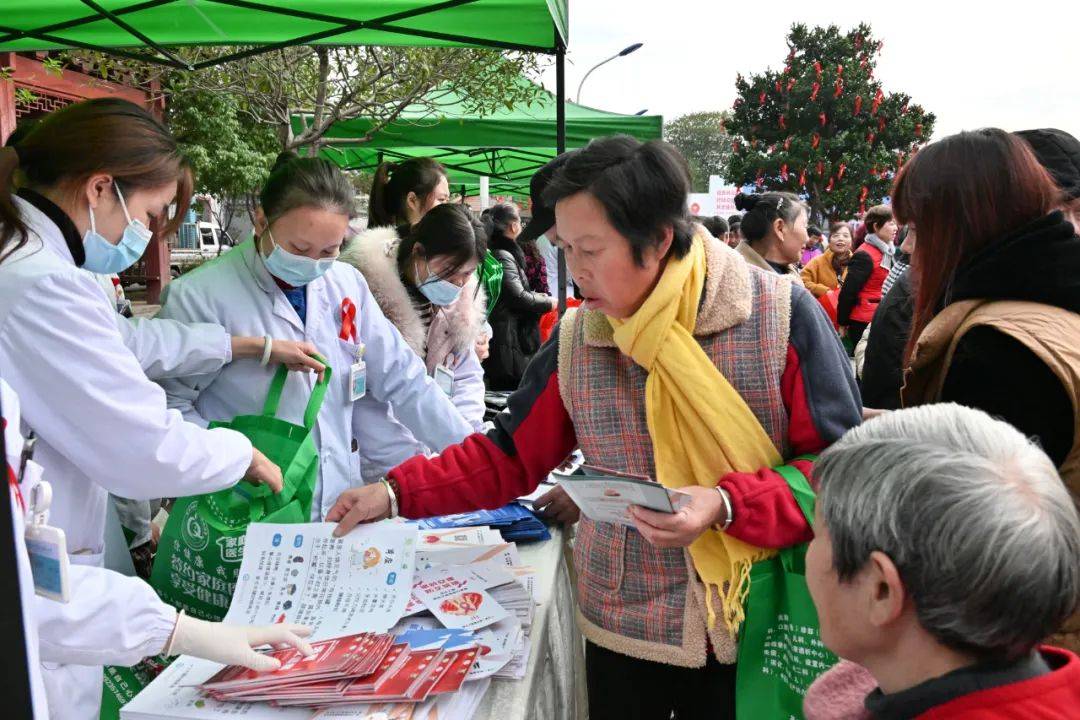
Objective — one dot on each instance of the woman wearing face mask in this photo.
(286, 282)
(775, 230)
(427, 286)
(515, 321)
(77, 194)
(869, 267)
(827, 272)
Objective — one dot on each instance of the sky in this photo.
(1014, 66)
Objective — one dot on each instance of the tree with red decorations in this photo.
(823, 127)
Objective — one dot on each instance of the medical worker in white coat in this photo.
(92, 177)
(286, 282)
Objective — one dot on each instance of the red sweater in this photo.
(536, 434)
(1054, 696)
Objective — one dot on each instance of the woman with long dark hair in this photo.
(79, 194)
(996, 280)
(515, 321)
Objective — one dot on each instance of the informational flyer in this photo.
(606, 496)
(336, 586)
(457, 596)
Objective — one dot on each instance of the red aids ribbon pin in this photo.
(348, 320)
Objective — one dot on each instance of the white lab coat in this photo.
(237, 291)
(102, 427)
(13, 445)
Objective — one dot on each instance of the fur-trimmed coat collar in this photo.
(374, 253)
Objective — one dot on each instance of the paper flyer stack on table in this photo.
(368, 661)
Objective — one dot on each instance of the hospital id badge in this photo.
(358, 380)
(444, 378)
(47, 547)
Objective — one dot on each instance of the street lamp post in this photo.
(622, 53)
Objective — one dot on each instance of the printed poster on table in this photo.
(302, 574)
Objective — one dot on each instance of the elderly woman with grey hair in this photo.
(945, 550)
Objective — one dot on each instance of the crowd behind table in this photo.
(711, 355)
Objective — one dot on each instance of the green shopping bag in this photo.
(780, 649)
(201, 546)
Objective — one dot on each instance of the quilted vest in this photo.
(634, 598)
(1051, 333)
(870, 295)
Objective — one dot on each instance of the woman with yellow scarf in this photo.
(685, 364)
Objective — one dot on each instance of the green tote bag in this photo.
(780, 649)
(202, 544)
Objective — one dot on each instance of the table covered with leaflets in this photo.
(448, 619)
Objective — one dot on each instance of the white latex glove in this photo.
(232, 644)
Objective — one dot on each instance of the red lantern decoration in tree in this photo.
(823, 118)
(783, 172)
(814, 89)
(878, 98)
(839, 88)
(881, 123)
(870, 137)
(761, 98)
(829, 187)
(783, 123)
(787, 143)
(858, 104)
(840, 171)
(815, 140)
(802, 178)
(839, 70)
(778, 87)
(817, 68)
(820, 168)
(918, 130)
(790, 84)
(864, 194)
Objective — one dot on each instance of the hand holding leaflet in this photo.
(606, 495)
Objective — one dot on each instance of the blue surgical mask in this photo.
(104, 257)
(440, 292)
(296, 270)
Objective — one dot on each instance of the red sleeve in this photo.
(766, 514)
(488, 471)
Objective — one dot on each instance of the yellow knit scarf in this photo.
(700, 426)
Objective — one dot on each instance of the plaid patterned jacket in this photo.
(634, 598)
(773, 342)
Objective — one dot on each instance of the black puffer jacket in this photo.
(515, 321)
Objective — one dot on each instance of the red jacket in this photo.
(1055, 696)
(536, 434)
(860, 294)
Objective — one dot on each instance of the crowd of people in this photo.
(715, 356)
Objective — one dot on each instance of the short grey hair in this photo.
(973, 514)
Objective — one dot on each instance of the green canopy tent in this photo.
(507, 146)
(121, 26)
